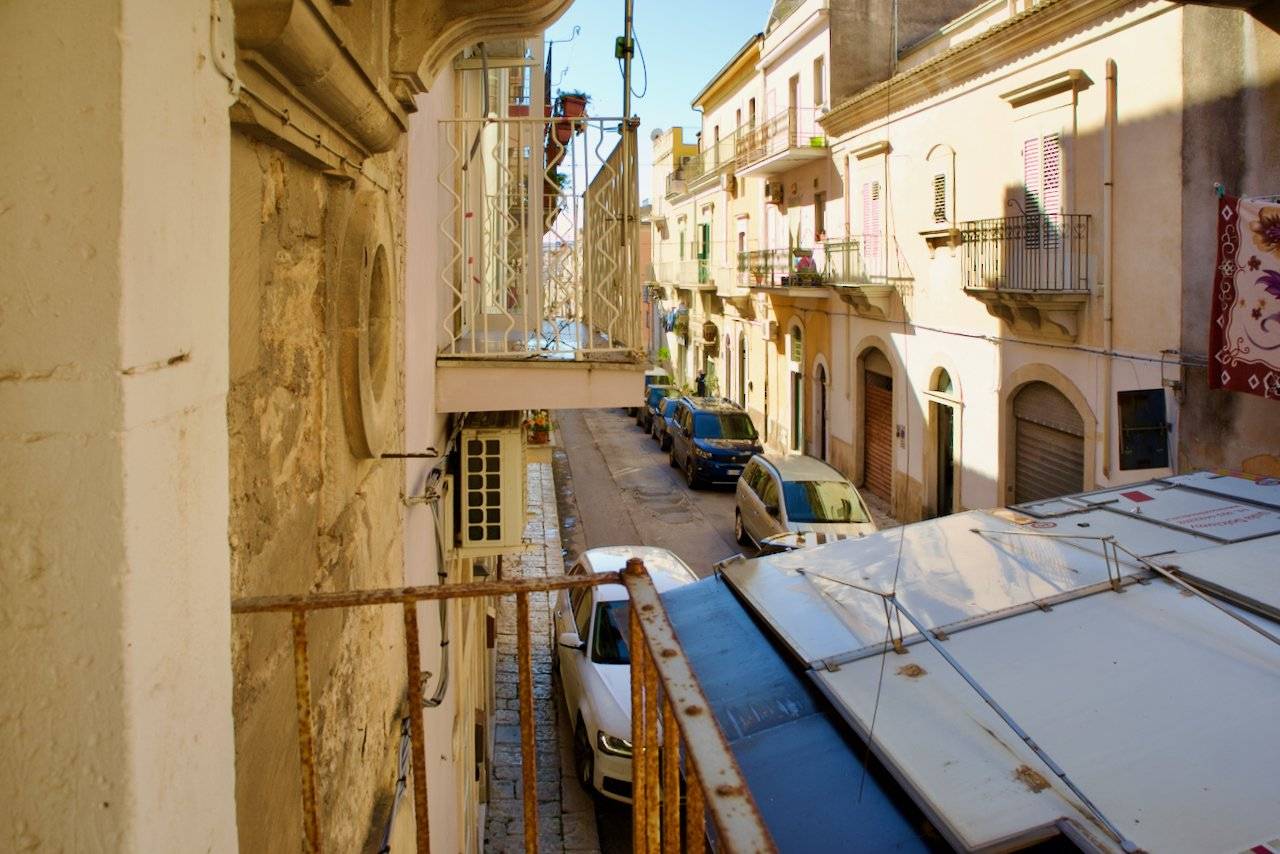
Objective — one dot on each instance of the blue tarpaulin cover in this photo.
(802, 767)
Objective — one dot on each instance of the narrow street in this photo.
(614, 487)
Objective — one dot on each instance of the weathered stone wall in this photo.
(1231, 80)
(307, 513)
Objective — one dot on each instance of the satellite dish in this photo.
(654, 134)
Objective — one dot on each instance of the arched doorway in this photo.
(820, 411)
(877, 424)
(942, 421)
(795, 358)
(1048, 452)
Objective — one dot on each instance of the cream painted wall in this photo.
(986, 134)
(113, 375)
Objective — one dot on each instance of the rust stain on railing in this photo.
(667, 703)
(710, 765)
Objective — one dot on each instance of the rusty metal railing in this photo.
(666, 700)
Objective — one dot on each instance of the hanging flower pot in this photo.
(573, 104)
(563, 131)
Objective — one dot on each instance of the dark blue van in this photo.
(712, 441)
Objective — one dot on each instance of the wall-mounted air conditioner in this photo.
(774, 192)
(491, 511)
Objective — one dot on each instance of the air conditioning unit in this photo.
(729, 183)
(774, 192)
(491, 511)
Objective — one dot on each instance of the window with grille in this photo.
(939, 198)
(1042, 190)
(1144, 429)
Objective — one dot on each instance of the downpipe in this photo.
(1108, 258)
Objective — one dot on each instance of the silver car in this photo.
(797, 494)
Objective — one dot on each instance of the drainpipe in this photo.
(1108, 259)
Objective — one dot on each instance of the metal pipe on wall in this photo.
(1108, 262)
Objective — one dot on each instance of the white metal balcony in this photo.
(538, 259)
(791, 138)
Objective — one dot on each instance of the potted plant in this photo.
(573, 104)
(538, 427)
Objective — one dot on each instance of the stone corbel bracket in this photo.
(945, 236)
(870, 301)
(296, 57)
(426, 34)
(1039, 314)
(301, 48)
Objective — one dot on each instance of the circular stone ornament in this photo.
(366, 301)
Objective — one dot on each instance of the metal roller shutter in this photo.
(1048, 444)
(877, 434)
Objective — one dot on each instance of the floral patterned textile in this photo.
(1244, 329)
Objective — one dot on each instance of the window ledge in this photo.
(946, 235)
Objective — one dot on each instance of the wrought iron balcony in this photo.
(1030, 271)
(783, 142)
(538, 262)
(1045, 252)
(781, 269)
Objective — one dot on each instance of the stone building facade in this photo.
(215, 329)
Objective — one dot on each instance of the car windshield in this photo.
(723, 425)
(822, 501)
(669, 406)
(610, 643)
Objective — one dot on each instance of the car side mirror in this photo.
(570, 640)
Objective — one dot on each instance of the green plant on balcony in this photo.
(538, 427)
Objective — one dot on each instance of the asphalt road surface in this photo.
(614, 487)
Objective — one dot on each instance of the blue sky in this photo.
(684, 43)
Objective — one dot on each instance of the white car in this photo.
(797, 494)
(591, 632)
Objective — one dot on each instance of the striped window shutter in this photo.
(871, 219)
(1042, 189)
(939, 198)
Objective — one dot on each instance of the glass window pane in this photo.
(822, 501)
(612, 628)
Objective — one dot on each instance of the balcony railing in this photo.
(779, 268)
(539, 239)
(1045, 252)
(858, 260)
(794, 128)
(670, 716)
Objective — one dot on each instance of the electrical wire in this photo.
(643, 65)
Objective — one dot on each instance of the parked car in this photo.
(661, 421)
(797, 495)
(590, 629)
(712, 439)
(652, 402)
(653, 376)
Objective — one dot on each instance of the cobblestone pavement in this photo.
(566, 818)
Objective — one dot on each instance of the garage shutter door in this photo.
(1049, 444)
(877, 434)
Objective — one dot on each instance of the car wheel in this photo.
(584, 759)
(671, 459)
(739, 532)
(664, 443)
(691, 475)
